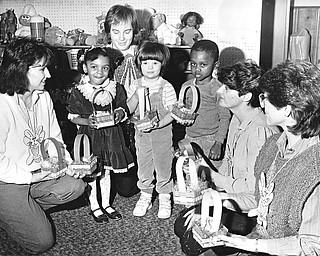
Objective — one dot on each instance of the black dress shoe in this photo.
(114, 215)
(101, 218)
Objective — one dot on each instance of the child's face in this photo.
(98, 70)
(121, 35)
(202, 66)
(151, 69)
(191, 21)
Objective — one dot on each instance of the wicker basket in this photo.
(205, 230)
(180, 112)
(188, 189)
(102, 118)
(147, 117)
(86, 164)
(56, 165)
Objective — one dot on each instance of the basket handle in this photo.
(57, 145)
(86, 147)
(211, 198)
(195, 96)
(144, 101)
(185, 144)
(96, 93)
(192, 170)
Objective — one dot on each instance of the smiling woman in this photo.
(27, 118)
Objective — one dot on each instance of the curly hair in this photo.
(153, 51)
(199, 19)
(18, 56)
(296, 83)
(121, 13)
(243, 77)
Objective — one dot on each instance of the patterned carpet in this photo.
(78, 234)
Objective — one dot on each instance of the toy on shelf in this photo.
(189, 31)
(180, 112)
(86, 164)
(191, 177)
(25, 19)
(165, 33)
(56, 164)
(102, 118)
(147, 118)
(206, 230)
(8, 25)
(55, 36)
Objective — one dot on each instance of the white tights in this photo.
(105, 186)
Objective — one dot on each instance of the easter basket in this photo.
(180, 112)
(189, 185)
(102, 118)
(206, 230)
(56, 165)
(147, 117)
(86, 164)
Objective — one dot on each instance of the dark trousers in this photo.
(236, 223)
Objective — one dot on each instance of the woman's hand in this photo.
(38, 176)
(74, 173)
(191, 217)
(215, 151)
(240, 242)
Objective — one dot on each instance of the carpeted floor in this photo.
(78, 234)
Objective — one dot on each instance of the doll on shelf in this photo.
(189, 32)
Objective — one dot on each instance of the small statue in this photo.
(189, 32)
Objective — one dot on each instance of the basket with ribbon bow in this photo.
(206, 229)
(86, 164)
(102, 118)
(56, 165)
(180, 112)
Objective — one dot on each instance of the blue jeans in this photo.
(23, 206)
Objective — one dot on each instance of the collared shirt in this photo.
(236, 174)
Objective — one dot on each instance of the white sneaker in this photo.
(164, 206)
(143, 205)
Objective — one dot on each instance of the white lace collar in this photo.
(88, 91)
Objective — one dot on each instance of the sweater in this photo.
(293, 185)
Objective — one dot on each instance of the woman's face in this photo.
(228, 98)
(274, 116)
(37, 75)
(121, 35)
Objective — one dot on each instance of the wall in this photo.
(232, 24)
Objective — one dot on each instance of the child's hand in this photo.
(119, 115)
(215, 151)
(92, 122)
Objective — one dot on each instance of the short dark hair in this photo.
(148, 50)
(207, 46)
(121, 13)
(18, 56)
(296, 83)
(243, 77)
(114, 55)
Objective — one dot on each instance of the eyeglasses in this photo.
(262, 99)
